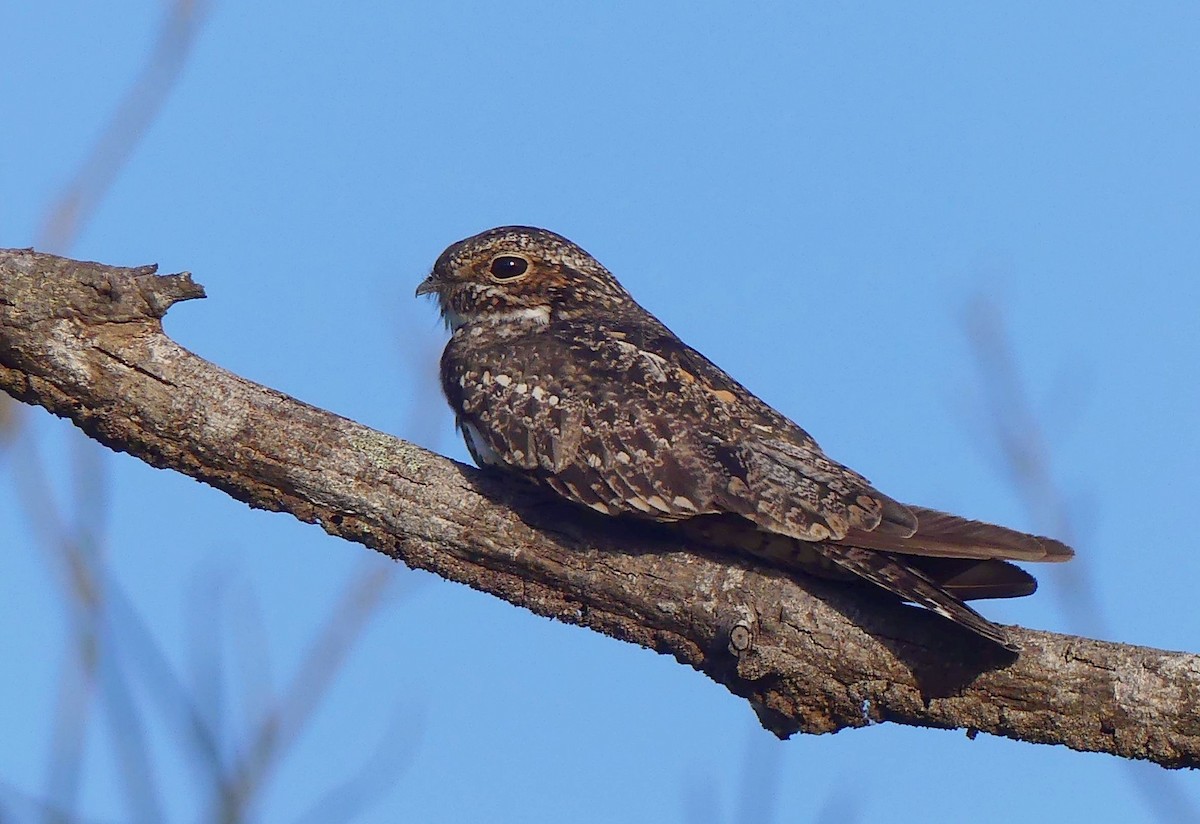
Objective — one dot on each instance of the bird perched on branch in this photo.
(555, 373)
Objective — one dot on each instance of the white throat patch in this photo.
(538, 314)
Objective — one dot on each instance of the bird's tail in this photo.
(912, 584)
(940, 534)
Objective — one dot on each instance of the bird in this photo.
(556, 374)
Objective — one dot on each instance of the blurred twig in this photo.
(284, 722)
(130, 121)
(148, 662)
(762, 768)
(21, 806)
(701, 799)
(843, 805)
(396, 750)
(79, 548)
(76, 553)
(281, 723)
(1024, 452)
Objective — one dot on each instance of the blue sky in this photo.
(811, 195)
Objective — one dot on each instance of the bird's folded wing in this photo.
(795, 489)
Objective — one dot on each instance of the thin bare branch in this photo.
(129, 123)
(395, 752)
(147, 661)
(1024, 451)
(79, 669)
(85, 341)
(22, 806)
(284, 722)
(78, 548)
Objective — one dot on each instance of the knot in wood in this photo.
(740, 637)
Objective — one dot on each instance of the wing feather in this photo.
(970, 580)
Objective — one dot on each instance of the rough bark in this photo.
(85, 341)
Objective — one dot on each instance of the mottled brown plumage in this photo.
(556, 373)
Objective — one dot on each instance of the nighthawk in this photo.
(555, 373)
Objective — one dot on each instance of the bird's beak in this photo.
(428, 286)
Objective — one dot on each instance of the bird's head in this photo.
(520, 275)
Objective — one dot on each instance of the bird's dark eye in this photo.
(507, 267)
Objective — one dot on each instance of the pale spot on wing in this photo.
(658, 503)
(657, 365)
(639, 504)
(816, 532)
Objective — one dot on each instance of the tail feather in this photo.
(911, 584)
(968, 579)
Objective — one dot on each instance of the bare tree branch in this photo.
(85, 341)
